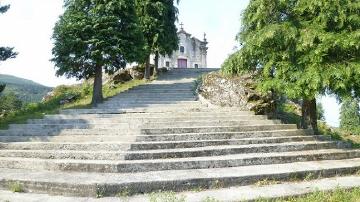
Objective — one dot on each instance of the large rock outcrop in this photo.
(236, 91)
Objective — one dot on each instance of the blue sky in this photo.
(28, 27)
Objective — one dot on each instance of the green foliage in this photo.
(320, 111)
(96, 33)
(92, 36)
(2, 87)
(338, 134)
(350, 116)
(338, 195)
(9, 102)
(157, 22)
(6, 52)
(16, 187)
(301, 48)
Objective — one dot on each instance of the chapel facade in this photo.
(192, 53)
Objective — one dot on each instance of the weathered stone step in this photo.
(217, 142)
(135, 130)
(115, 146)
(136, 125)
(120, 136)
(124, 119)
(207, 123)
(67, 138)
(138, 90)
(148, 102)
(56, 127)
(154, 106)
(223, 135)
(271, 192)
(154, 131)
(95, 184)
(235, 160)
(168, 153)
(169, 115)
(232, 149)
(132, 109)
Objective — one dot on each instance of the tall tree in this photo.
(301, 48)
(5, 52)
(350, 115)
(157, 21)
(92, 36)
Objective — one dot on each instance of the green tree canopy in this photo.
(9, 102)
(301, 48)
(92, 36)
(350, 115)
(5, 52)
(157, 21)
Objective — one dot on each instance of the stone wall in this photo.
(238, 91)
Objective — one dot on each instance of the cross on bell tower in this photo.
(182, 26)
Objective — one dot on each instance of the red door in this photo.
(182, 63)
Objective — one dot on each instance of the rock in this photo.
(68, 99)
(48, 96)
(121, 76)
(237, 91)
(136, 73)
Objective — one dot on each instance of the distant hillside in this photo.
(26, 90)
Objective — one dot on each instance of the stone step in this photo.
(125, 154)
(157, 101)
(136, 125)
(154, 119)
(175, 105)
(223, 135)
(115, 146)
(120, 136)
(110, 184)
(168, 115)
(133, 109)
(149, 99)
(271, 192)
(157, 104)
(56, 127)
(138, 130)
(67, 138)
(235, 160)
(168, 130)
(229, 149)
(154, 90)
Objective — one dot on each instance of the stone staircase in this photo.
(158, 137)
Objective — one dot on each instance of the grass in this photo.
(338, 134)
(339, 195)
(82, 93)
(166, 197)
(16, 187)
(289, 113)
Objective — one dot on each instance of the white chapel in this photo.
(192, 53)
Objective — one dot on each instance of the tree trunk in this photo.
(309, 114)
(304, 114)
(313, 115)
(156, 70)
(97, 91)
(147, 69)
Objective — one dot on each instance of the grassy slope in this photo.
(339, 195)
(26, 90)
(288, 114)
(52, 106)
